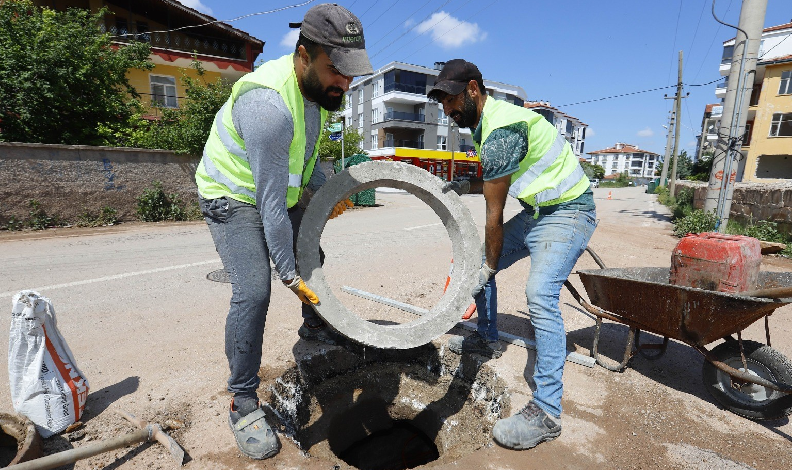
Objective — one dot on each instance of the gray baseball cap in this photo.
(341, 35)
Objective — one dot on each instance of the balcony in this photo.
(720, 89)
(189, 43)
(413, 144)
(466, 148)
(400, 116)
(725, 66)
(415, 89)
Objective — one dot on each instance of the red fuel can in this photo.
(714, 261)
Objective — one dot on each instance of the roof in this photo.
(216, 24)
(768, 30)
(627, 148)
(776, 60)
(546, 105)
(708, 108)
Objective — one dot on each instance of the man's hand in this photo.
(485, 273)
(297, 285)
(459, 187)
(340, 208)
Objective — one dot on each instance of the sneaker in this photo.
(321, 333)
(475, 344)
(526, 429)
(254, 436)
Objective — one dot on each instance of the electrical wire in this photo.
(231, 20)
(395, 2)
(779, 43)
(693, 41)
(412, 28)
(448, 15)
(673, 48)
(714, 38)
(399, 24)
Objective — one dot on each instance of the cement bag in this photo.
(46, 385)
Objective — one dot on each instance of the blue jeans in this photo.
(554, 242)
(238, 234)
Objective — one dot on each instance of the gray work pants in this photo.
(238, 234)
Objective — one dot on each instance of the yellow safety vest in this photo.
(224, 170)
(549, 172)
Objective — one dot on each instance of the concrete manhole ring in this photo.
(465, 245)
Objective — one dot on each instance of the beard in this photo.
(468, 117)
(313, 90)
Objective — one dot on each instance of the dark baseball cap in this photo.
(341, 35)
(454, 77)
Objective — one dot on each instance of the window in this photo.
(348, 101)
(374, 140)
(360, 96)
(402, 80)
(360, 120)
(728, 53)
(142, 32)
(121, 26)
(375, 90)
(163, 91)
(441, 117)
(786, 83)
(441, 142)
(375, 115)
(781, 125)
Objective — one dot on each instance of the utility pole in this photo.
(667, 157)
(735, 110)
(678, 114)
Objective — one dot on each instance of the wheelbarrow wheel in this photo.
(745, 399)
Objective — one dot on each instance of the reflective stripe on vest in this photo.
(225, 169)
(533, 171)
(549, 172)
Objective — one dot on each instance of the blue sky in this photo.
(564, 53)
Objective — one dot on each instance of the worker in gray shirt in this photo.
(258, 167)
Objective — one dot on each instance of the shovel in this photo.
(146, 433)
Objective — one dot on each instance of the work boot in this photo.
(475, 344)
(321, 333)
(254, 436)
(526, 429)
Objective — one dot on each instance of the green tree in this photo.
(60, 77)
(331, 150)
(685, 167)
(593, 171)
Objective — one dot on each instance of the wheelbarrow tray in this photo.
(643, 298)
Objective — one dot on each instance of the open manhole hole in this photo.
(386, 409)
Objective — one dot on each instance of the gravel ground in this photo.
(147, 329)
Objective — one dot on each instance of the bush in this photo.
(697, 221)
(154, 205)
(39, 220)
(108, 216)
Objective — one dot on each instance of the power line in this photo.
(399, 24)
(412, 28)
(714, 38)
(693, 41)
(779, 43)
(673, 48)
(448, 15)
(231, 20)
(395, 2)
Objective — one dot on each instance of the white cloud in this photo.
(450, 32)
(590, 132)
(647, 132)
(409, 23)
(289, 40)
(197, 5)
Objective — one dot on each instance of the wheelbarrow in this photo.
(749, 378)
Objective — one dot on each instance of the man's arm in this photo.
(263, 120)
(495, 192)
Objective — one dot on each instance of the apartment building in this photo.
(399, 122)
(223, 51)
(572, 128)
(767, 148)
(708, 138)
(625, 157)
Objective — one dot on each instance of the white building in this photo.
(625, 157)
(572, 128)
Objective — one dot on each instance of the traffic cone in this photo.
(610, 193)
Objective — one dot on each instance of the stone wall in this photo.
(753, 202)
(68, 180)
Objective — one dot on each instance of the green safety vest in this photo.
(549, 172)
(224, 170)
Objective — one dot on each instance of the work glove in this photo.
(303, 292)
(459, 187)
(485, 273)
(340, 208)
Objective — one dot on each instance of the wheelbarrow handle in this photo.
(770, 293)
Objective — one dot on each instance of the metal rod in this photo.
(526, 343)
(70, 456)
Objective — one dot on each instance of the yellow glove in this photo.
(303, 292)
(340, 208)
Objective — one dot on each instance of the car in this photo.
(595, 183)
